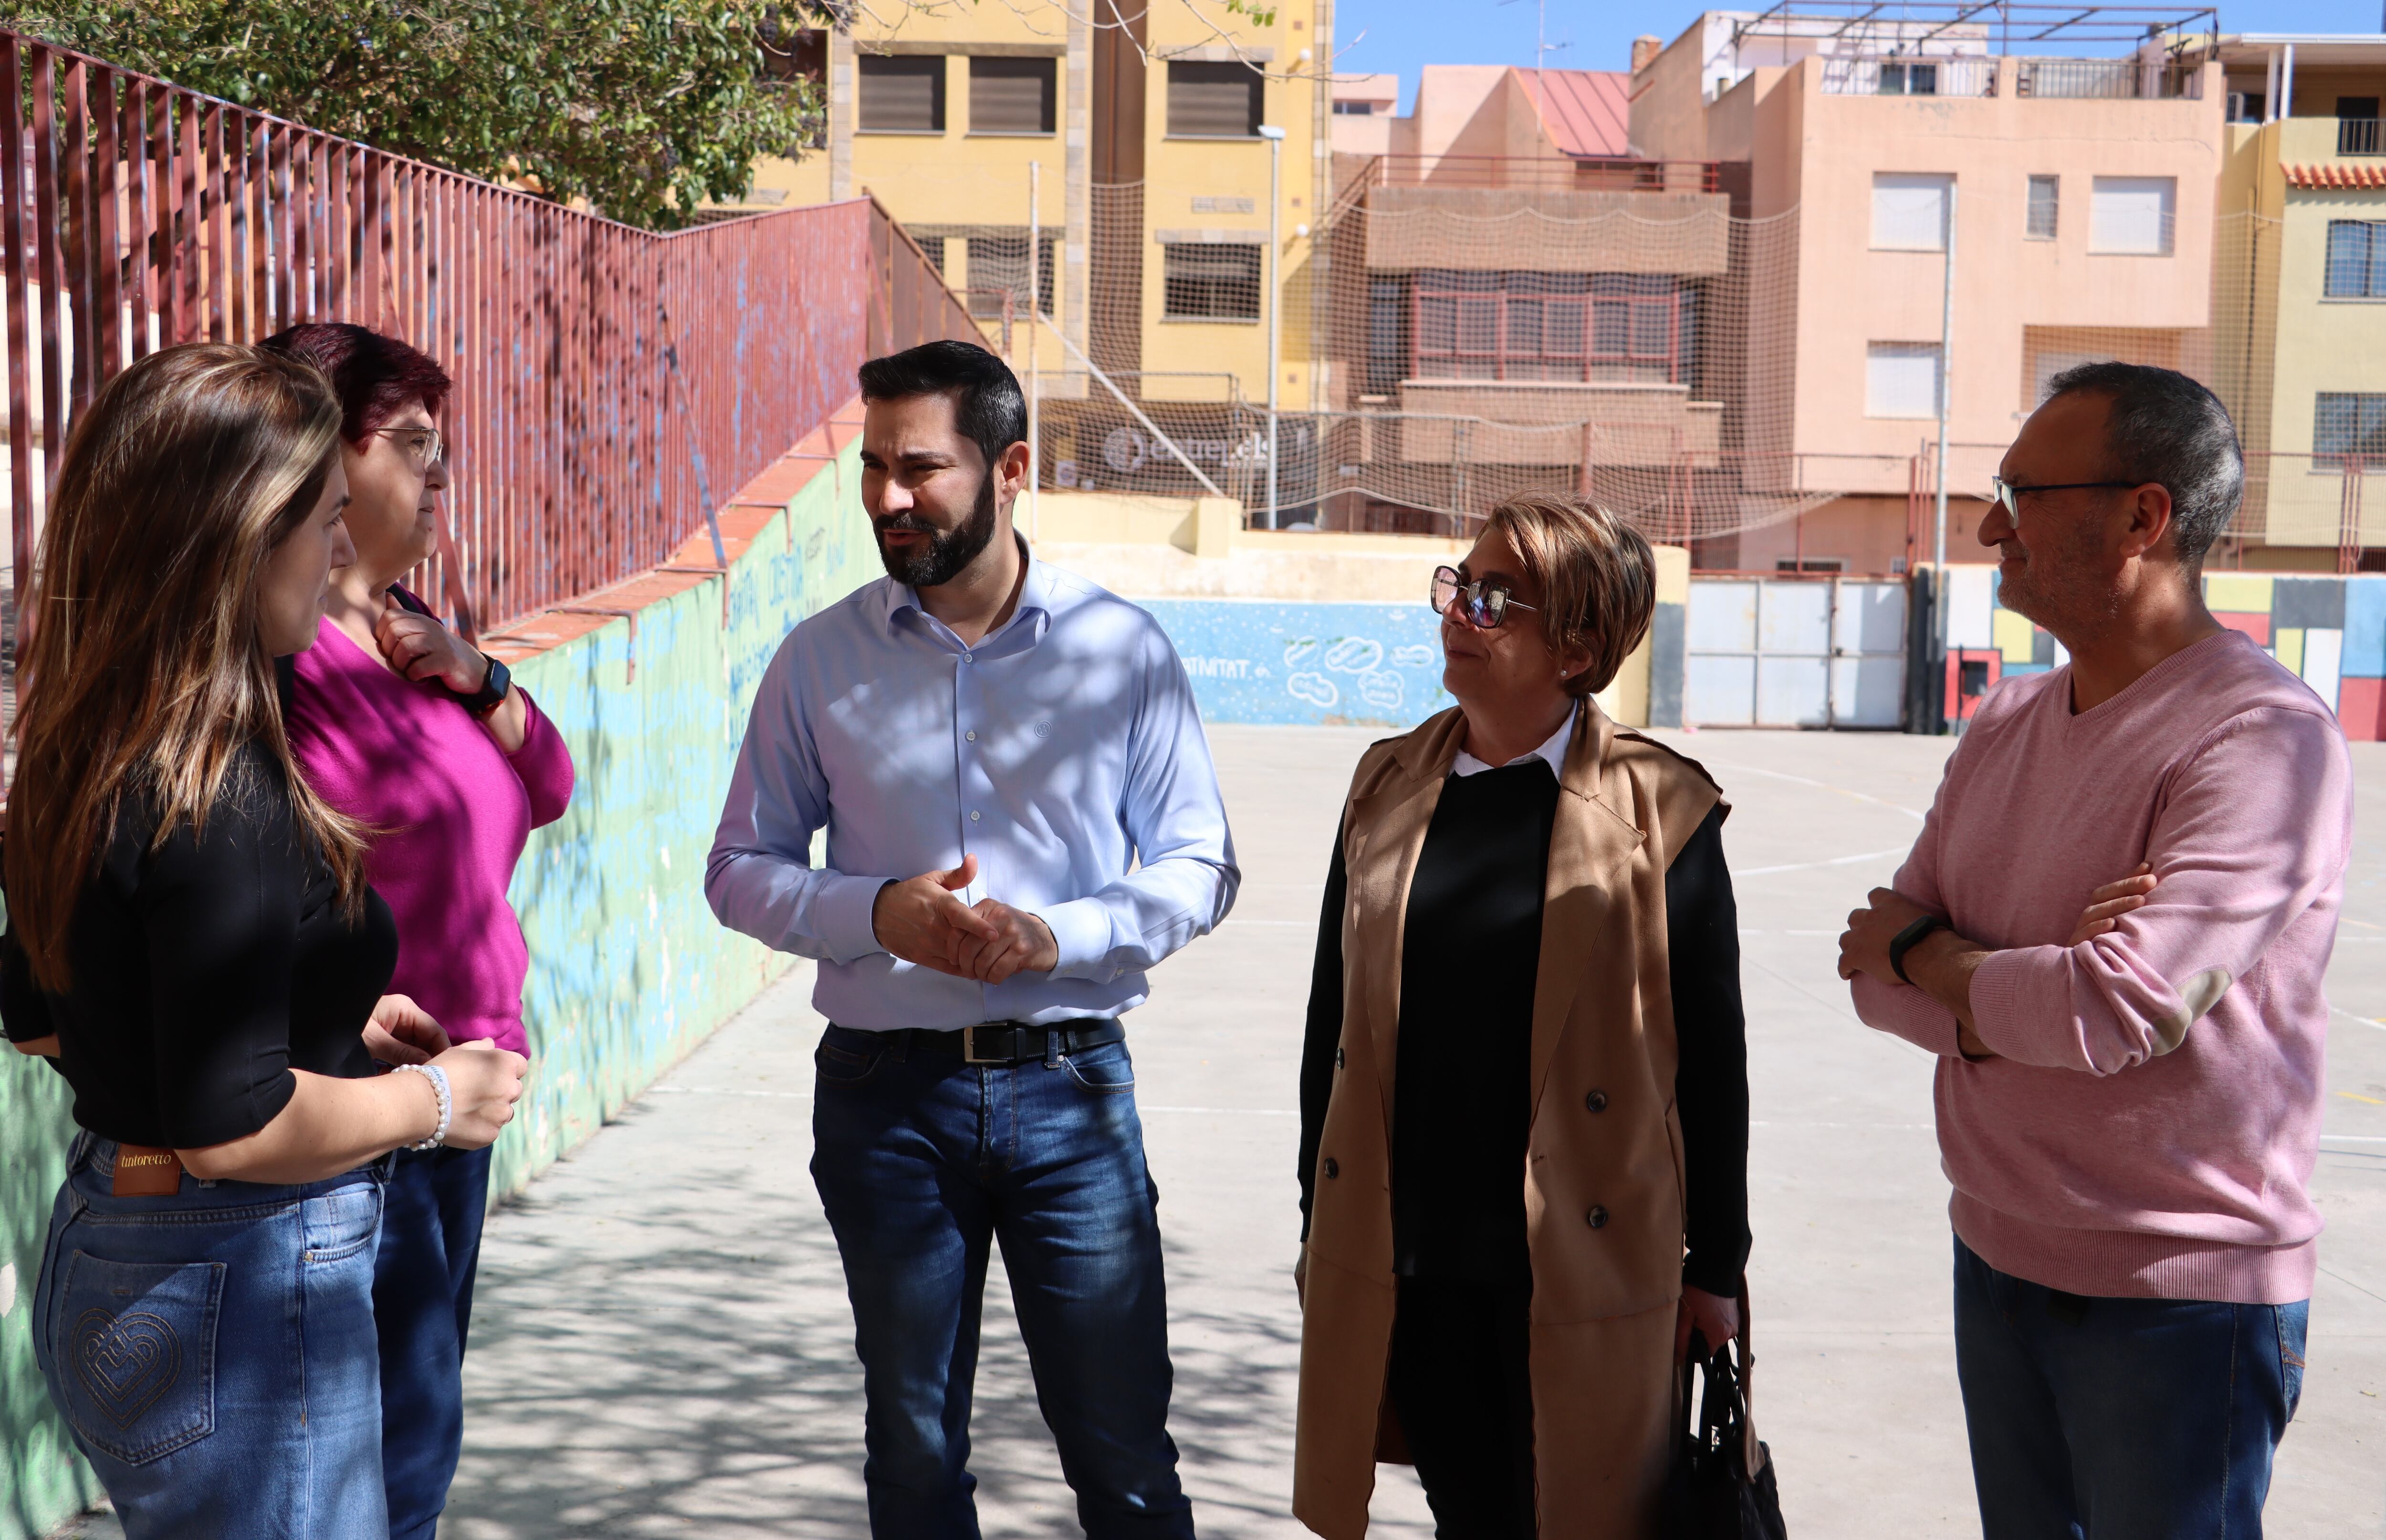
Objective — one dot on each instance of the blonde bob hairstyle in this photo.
(1597, 575)
(142, 673)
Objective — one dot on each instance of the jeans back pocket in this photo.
(133, 1353)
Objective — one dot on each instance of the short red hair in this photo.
(374, 376)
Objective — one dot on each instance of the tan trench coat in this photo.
(1603, 1189)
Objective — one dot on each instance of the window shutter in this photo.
(902, 94)
(2131, 215)
(1909, 211)
(1211, 282)
(1213, 100)
(1902, 380)
(1009, 95)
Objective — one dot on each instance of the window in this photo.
(1203, 281)
(1354, 109)
(997, 265)
(1607, 328)
(1213, 101)
(2356, 125)
(2348, 425)
(902, 94)
(2045, 201)
(2356, 260)
(933, 248)
(1909, 211)
(1009, 95)
(2131, 215)
(2245, 107)
(1909, 80)
(1902, 380)
(1387, 334)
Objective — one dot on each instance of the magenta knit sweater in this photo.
(2150, 1126)
(451, 811)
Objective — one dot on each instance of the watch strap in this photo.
(1909, 938)
(493, 689)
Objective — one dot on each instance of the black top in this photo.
(1461, 1118)
(205, 973)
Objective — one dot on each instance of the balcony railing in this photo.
(2358, 136)
(1544, 173)
(1899, 76)
(2112, 80)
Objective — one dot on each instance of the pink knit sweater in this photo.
(2150, 1126)
(452, 811)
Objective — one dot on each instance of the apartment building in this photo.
(2299, 322)
(2072, 196)
(1145, 132)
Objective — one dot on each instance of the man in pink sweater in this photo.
(2130, 1071)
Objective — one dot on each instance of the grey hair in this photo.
(2167, 429)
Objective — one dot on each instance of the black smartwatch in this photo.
(493, 691)
(1907, 940)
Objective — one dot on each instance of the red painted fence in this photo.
(612, 385)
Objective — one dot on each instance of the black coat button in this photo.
(1333, 1168)
(1596, 1101)
(1338, 1058)
(1597, 1216)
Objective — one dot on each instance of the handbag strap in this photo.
(1751, 1450)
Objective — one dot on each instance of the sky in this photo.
(1402, 36)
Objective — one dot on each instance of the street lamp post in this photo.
(1275, 136)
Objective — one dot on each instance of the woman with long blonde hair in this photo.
(192, 943)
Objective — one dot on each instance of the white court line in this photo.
(1808, 866)
(728, 1091)
(2365, 1021)
(1235, 1111)
(1808, 780)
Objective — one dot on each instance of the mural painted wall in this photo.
(1255, 660)
(2330, 630)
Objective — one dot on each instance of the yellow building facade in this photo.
(2299, 309)
(1140, 129)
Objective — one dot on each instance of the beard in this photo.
(2061, 586)
(948, 552)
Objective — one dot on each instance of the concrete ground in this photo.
(663, 1348)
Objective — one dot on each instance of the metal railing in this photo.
(2358, 136)
(1543, 174)
(1906, 76)
(2123, 80)
(613, 386)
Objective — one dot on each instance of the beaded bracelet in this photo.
(438, 1078)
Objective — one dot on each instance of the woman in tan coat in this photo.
(1524, 1091)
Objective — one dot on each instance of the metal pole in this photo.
(1035, 307)
(1946, 396)
(1946, 378)
(1275, 137)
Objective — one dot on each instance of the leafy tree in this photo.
(645, 108)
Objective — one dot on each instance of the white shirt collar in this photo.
(1554, 751)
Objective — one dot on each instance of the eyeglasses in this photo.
(2008, 496)
(1487, 603)
(423, 446)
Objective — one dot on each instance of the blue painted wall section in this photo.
(1372, 665)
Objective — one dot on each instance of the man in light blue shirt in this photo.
(1022, 819)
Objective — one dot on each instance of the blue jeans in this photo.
(422, 1308)
(2099, 1418)
(212, 1352)
(920, 1159)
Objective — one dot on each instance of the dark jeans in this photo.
(921, 1161)
(212, 1351)
(1461, 1379)
(2120, 1418)
(422, 1306)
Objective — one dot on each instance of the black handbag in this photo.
(1722, 1485)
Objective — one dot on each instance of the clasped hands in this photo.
(921, 921)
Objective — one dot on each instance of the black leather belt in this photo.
(1014, 1043)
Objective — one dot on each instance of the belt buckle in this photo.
(968, 1047)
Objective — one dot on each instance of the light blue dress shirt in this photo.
(1064, 751)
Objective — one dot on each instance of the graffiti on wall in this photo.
(1261, 661)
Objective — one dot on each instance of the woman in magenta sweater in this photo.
(402, 725)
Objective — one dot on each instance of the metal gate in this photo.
(1794, 652)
